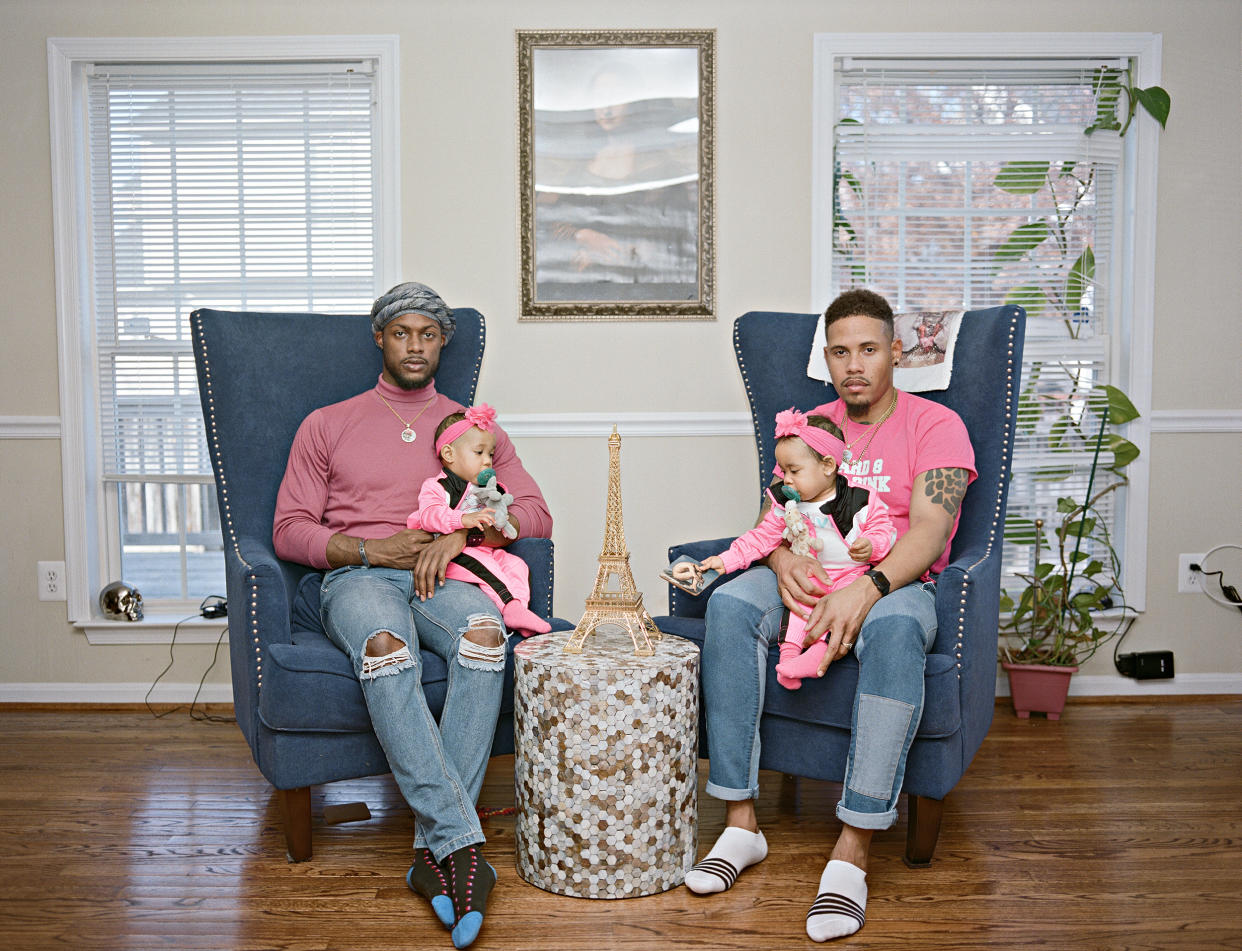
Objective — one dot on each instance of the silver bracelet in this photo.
(362, 552)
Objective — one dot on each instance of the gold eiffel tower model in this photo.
(615, 599)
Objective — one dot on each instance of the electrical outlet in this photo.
(51, 580)
(1189, 581)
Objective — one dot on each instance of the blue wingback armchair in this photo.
(296, 697)
(806, 732)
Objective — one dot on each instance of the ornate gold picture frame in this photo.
(616, 147)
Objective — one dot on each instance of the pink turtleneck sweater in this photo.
(350, 472)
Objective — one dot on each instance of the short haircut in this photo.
(819, 422)
(863, 303)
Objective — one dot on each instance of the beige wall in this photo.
(460, 235)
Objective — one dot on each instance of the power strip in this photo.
(1147, 665)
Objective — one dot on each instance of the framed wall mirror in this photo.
(615, 166)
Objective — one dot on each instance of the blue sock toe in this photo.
(467, 929)
(442, 905)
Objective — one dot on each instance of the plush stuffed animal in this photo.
(488, 492)
(796, 531)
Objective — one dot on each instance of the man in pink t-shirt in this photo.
(354, 473)
(917, 456)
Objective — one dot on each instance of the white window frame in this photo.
(86, 530)
(1131, 356)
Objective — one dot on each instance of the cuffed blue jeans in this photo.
(438, 767)
(743, 622)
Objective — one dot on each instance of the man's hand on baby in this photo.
(428, 569)
(794, 574)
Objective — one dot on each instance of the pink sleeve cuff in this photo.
(438, 518)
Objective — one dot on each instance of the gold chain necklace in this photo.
(407, 434)
(869, 432)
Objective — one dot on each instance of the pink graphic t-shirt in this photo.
(919, 436)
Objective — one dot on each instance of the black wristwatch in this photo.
(881, 582)
(475, 537)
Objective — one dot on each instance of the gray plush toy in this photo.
(488, 491)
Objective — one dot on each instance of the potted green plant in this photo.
(1072, 602)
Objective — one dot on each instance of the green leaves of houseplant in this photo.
(1155, 100)
(1059, 618)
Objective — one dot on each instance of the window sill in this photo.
(155, 629)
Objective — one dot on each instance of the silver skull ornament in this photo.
(120, 602)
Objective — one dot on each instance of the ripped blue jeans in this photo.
(438, 767)
(743, 622)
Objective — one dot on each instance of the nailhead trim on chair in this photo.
(750, 397)
(226, 515)
(478, 363)
(1006, 461)
(551, 584)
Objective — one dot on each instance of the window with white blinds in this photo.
(248, 187)
(962, 183)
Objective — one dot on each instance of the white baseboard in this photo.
(114, 693)
(1104, 685)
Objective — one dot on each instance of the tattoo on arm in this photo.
(945, 487)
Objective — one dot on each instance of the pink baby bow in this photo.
(481, 417)
(793, 422)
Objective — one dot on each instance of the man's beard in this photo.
(407, 382)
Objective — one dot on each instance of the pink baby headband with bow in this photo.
(481, 417)
(792, 422)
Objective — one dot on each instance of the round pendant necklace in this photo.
(407, 434)
(869, 432)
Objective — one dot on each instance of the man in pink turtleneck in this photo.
(353, 477)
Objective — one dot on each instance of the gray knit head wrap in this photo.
(413, 298)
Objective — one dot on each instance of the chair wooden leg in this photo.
(922, 829)
(295, 810)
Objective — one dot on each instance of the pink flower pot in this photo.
(1038, 688)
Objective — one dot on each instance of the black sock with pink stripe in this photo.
(471, 879)
(427, 878)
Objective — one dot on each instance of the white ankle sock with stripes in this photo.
(734, 851)
(840, 906)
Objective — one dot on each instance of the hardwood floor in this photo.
(1118, 827)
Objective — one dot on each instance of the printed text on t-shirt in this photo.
(866, 472)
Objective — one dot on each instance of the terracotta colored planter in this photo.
(1038, 688)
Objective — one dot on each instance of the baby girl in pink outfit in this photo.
(451, 501)
(846, 527)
